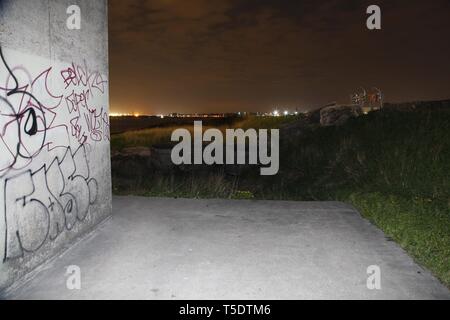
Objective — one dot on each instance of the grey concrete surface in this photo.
(219, 249)
(39, 27)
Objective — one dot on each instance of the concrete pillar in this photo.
(55, 183)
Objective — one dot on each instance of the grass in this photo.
(190, 186)
(161, 135)
(393, 166)
(421, 227)
(147, 137)
(265, 122)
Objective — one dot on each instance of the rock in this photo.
(313, 117)
(338, 115)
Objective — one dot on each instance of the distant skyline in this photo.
(204, 56)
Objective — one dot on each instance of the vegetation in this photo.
(146, 137)
(161, 135)
(393, 166)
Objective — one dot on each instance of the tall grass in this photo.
(147, 138)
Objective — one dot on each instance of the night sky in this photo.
(254, 55)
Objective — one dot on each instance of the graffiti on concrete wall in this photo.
(87, 123)
(40, 205)
(368, 100)
(49, 120)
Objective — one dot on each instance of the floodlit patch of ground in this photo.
(157, 248)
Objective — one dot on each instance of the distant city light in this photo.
(274, 113)
(118, 114)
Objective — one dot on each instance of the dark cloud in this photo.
(229, 55)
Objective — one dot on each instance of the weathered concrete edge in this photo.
(346, 205)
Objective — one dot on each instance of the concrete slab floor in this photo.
(221, 249)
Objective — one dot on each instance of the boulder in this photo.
(338, 115)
